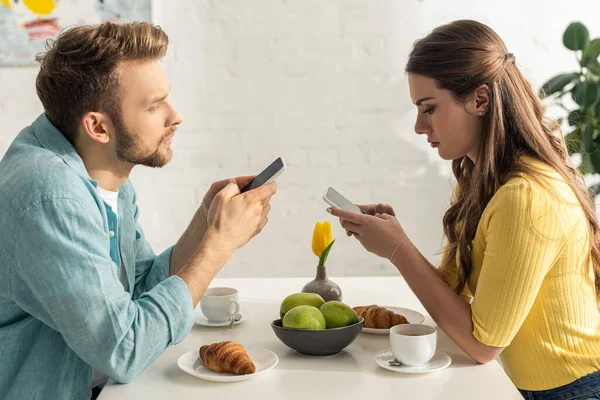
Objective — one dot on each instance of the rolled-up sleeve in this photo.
(63, 275)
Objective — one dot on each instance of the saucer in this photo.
(191, 363)
(200, 319)
(412, 316)
(439, 361)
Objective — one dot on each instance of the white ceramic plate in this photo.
(412, 316)
(200, 319)
(263, 360)
(439, 361)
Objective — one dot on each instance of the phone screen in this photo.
(266, 176)
(340, 201)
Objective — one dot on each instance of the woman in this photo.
(523, 239)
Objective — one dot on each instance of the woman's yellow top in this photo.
(532, 282)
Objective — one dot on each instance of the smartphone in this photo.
(268, 175)
(335, 199)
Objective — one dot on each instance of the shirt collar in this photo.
(52, 139)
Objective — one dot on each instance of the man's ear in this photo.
(479, 103)
(97, 126)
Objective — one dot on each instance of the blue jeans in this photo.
(585, 388)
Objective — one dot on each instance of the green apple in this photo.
(338, 314)
(304, 317)
(300, 299)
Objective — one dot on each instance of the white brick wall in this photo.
(320, 83)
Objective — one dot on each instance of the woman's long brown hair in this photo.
(460, 57)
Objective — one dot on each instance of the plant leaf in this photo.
(591, 53)
(557, 83)
(595, 156)
(576, 36)
(586, 93)
(594, 67)
(586, 166)
(325, 253)
(587, 138)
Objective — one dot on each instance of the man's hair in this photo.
(79, 70)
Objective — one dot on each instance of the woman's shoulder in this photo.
(539, 195)
(540, 180)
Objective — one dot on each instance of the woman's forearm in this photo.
(449, 311)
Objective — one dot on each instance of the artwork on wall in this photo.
(25, 25)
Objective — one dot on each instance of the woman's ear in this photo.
(479, 103)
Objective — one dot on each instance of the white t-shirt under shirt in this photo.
(110, 198)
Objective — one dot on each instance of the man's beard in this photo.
(128, 148)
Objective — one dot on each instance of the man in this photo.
(83, 297)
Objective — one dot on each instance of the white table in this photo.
(351, 374)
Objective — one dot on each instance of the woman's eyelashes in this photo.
(429, 110)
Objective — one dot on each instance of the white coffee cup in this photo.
(220, 303)
(413, 344)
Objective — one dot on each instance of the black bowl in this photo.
(323, 342)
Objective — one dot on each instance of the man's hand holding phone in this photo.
(240, 214)
(225, 221)
(216, 187)
(246, 183)
(237, 217)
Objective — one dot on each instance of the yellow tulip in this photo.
(327, 235)
(316, 242)
(322, 238)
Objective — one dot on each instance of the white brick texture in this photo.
(320, 83)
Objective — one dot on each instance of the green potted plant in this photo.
(583, 87)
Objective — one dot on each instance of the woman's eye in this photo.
(429, 110)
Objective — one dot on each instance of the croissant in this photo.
(379, 317)
(227, 357)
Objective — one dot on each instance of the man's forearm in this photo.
(203, 265)
(188, 242)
